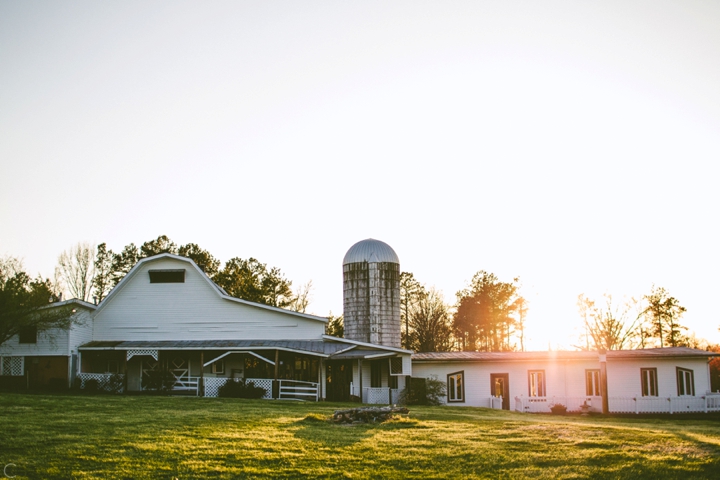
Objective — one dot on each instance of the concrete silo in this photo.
(371, 293)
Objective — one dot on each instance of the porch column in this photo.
(125, 370)
(603, 381)
(320, 379)
(360, 378)
(276, 384)
(201, 384)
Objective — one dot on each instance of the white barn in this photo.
(166, 314)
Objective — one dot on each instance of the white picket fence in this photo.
(686, 404)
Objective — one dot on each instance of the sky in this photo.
(570, 144)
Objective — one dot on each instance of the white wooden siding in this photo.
(566, 378)
(192, 310)
(51, 342)
(624, 376)
(81, 332)
(562, 378)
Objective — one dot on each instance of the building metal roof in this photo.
(371, 251)
(668, 352)
(332, 349)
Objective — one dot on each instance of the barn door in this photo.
(180, 368)
(150, 368)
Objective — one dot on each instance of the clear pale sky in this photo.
(572, 144)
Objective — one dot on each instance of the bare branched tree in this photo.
(76, 268)
(301, 298)
(610, 326)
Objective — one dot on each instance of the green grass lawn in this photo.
(174, 437)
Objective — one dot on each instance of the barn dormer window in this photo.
(167, 276)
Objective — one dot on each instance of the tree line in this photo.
(651, 321)
(488, 315)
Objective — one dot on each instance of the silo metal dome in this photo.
(371, 251)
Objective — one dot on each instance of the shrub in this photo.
(423, 391)
(57, 384)
(235, 388)
(91, 385)
(76, 384)
(114, 383)
(159, 381)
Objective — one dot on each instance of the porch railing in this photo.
(298, 390)
(289, 389)
(107, 382)
(496, 402)
(186, 384)
(686, 404)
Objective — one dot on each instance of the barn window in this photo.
(11, 366)
(28, 335)
(218, 367)
(592, 383)
(396, 366)
(536, 383)
(648, 379)
(167, 276)
(685, 382)
(456, 387)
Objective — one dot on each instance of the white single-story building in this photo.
(670, 380)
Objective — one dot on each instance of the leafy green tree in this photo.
(430, 322)
(335, 326)
(484, 316)
(253, 281)
(207, 263)
(162, 244)
(24, 303)
(663, 313)
(123, 262)
(410, 293)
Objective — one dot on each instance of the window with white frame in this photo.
(456, 387)
(685, 382)
(648, 380)
(592, 383)
(11, 366)
(536, 383)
